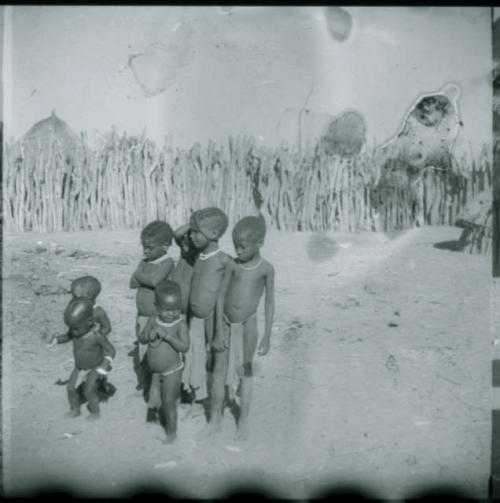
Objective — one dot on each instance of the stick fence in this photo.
(126, 182)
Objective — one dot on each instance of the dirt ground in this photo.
(379, 374)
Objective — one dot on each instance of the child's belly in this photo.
(205, 287)
(241, 302)
(88, 359)
(202, 305)
(162, 357)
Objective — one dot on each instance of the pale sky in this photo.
(206, 72)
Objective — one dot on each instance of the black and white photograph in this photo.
(250, 248)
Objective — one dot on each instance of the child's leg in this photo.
(154, 395)
(217, 390)
(170, 388)
(90, 390)
(250, 337)
(137, 354)
(209, 336)
(74, 400)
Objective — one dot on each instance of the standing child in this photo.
(167, 337)
(156, 266)
(92, 352)
(207, 227)
(245, 280)
(89, 287)
(183, 271)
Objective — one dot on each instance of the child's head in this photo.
(207, 225)
(79, 316)
(248, 237)
(168, 300)
(156, 238)
(86, 286)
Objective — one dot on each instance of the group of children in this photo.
(196, 323)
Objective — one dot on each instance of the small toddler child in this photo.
(166, 336)
(93, 353)
(89, 287)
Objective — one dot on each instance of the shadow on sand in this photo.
(455, 245)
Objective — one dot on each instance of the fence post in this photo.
(494, 485)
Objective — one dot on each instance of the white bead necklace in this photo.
(206, 256)
(252, 267)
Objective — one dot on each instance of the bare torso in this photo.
(87, 350)
(206, 283)
(182, 275)
(160, 355)
(245, 291)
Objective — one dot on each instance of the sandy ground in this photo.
(379, 374)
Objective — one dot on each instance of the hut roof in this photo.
(45, 131)
(477, 210)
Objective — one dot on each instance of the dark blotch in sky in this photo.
(339, 23)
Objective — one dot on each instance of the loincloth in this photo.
(178, 367)
(81, 375)
(195, 370)
(234, 333)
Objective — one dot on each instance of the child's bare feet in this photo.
(170, 438)
(73, 413)
(193, 411)
(242, 432)
(209, 430)
(152, 416)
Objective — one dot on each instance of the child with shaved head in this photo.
(92, 352)
(89, 287)
(245, 280)
(206, 227)
(167, 338)
(156, 266)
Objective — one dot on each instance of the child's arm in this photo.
(134, 283)
(143, 336)
(268, 312)
(179, 233)
(219, 343)
(57, 339)
(109, 351)
(179, 341)
(101, 317)
(155, 274)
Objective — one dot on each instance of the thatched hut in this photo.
(476, 221)
(42, 135)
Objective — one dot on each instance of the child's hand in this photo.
(106, 365)
(220, 343)
(153, 335)
(264, 347)
(46, 337)
(49, 339)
